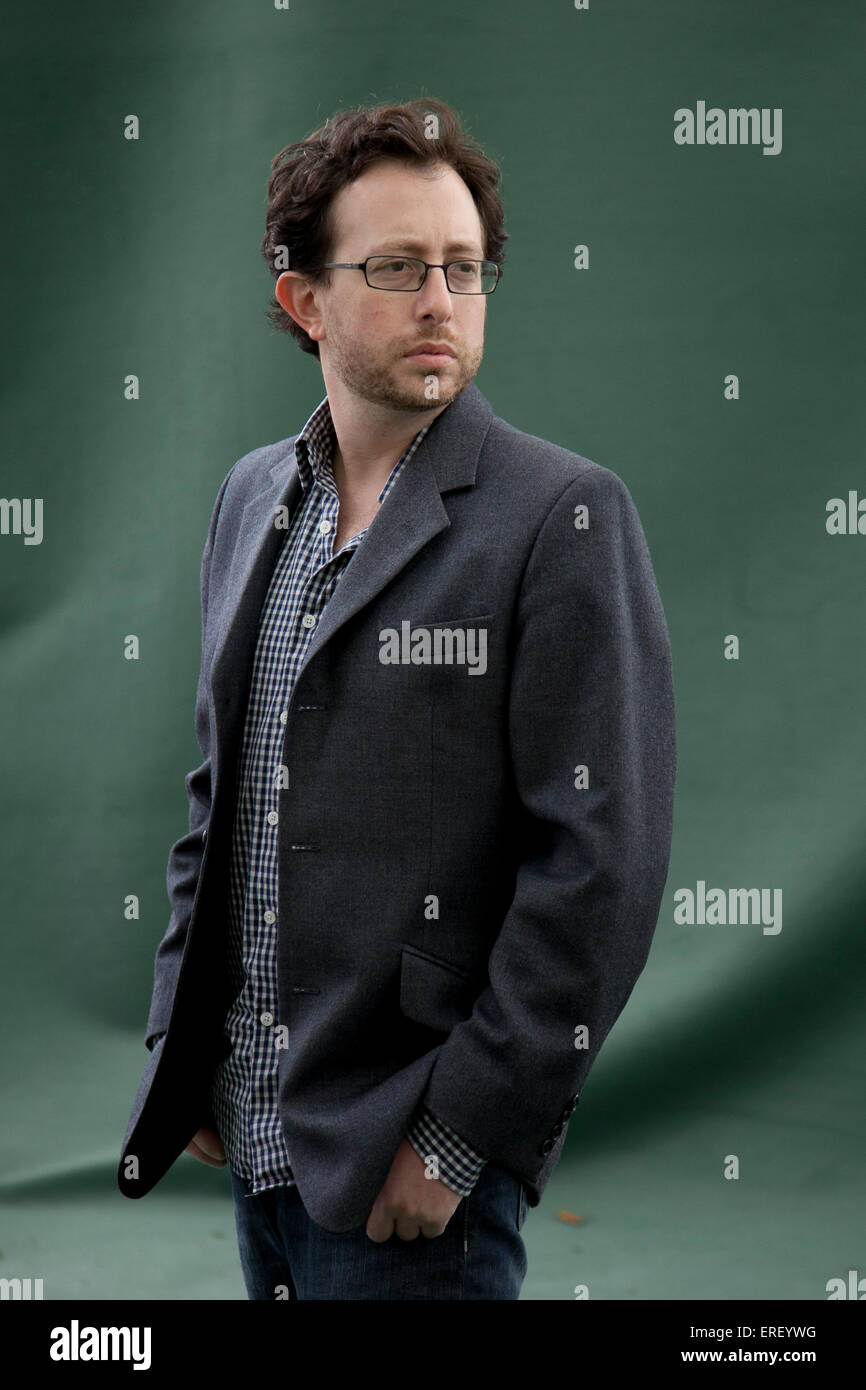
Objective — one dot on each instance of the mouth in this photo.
(432, 354)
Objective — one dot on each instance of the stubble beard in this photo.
(397, 382)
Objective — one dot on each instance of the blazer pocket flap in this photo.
(432, 991)
(473, 620)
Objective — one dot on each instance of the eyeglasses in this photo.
(406, 275)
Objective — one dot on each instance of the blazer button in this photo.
(574, 1099)
(546, 1147)
(557, 1130)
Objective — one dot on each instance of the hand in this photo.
(207, 1146)
(409, 1202)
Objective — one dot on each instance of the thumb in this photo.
(209, 1141)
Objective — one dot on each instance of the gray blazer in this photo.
(471, 861)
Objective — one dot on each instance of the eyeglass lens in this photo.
(402, 273)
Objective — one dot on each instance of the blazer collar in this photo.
(451, 445)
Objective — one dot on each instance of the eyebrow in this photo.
(410, 243)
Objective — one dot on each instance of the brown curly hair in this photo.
(306, 175)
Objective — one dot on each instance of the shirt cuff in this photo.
(455, 1163)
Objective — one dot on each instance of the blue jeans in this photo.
(286, 1255)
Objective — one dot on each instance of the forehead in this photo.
(394, 205)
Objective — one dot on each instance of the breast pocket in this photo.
(413, 653)
(434, 992)
(458, 645)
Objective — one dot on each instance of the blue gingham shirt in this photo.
(245, 1084)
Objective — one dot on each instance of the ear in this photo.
(298, 297)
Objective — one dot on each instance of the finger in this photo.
(213, 1149)
(203, 1157)
(210, 1142)
(379, 1229)
(407, 1228)
(431, 1231)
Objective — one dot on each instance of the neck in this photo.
(371, 436)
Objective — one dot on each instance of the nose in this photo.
(434, 296)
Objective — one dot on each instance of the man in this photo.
(431, 831)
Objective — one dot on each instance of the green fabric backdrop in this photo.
(142, 257)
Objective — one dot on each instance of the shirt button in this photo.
(270, 917)
(325, 527)
(309, 620)
(267, 1019)
(284, 716)
(272, 818)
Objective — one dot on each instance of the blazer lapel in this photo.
(256, 549)
(412, 515)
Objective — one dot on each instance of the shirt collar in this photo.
(315, 446)
(314, 449)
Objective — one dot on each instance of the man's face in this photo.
(365, 335)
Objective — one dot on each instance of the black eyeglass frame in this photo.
(416, 260)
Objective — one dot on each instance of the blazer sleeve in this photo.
(592, 747)
(185, 856)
